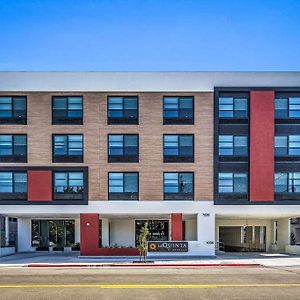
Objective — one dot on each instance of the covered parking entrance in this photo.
(242, 238)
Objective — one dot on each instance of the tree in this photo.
(143, 238)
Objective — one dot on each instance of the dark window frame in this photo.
(67, 158)
(13, 180)
(122, 120)
(123, 158)
(233, 186)
(286, 97)
(68, 120)
(59, 196)
(178, 121)
(15, 158)
(13, 120)
(190, 196)
(122, 195)
(287, 148)
(233, 148)
(234, 97)
(179, 158)
(12, 196)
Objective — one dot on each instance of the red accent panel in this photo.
(39, 185)
(89, 234)
(176, 223)
(262, 146)
(89, 239)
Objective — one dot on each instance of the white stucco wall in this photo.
(24, 235)
(122, 232)
(191, 230)
(283, 237)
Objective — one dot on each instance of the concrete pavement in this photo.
(264, 259)
(201, 283)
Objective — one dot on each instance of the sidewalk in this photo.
(73, 260)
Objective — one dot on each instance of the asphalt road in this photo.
(167, 283)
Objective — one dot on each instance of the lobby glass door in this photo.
(53, 233)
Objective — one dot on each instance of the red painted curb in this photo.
(138, 265)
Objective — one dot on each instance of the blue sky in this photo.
(149, 35)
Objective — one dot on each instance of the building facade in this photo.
(212, 158)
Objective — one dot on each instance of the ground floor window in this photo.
(52, 233)
(158, 230)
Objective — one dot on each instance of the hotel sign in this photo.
(168, 246)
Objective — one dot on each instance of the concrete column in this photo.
(77, 230)
(284, 232)
(206, 233)
(105, 232)
(6, 231)
(24, 235)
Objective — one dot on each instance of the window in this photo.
(178, 186)
(123, 148)
(68, 148)
(13, 182)
(287, 145)
(233, 183)
(68, 185)
(122, 110)
(13, 148)
(233, 145)
(178, 148)
(178, 110)
(67, 110)
(287, 182)
(13, 110)
(123, 186)
(230, 107)
(287, 107)
(158, 230)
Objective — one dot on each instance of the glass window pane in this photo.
(20, 145)
(130, 103)
(6, 182)
(171, 183)
(225, 145)
(225, 182)
(186, 145)
(6, 145)
(19, 103)
(131, 183)
(185, 182)
(60, 181)
(60, 145)
(20, 184)
(240, 183)
(280, 143)
(115, 183)
(60, 103)
(240, 108)
(115, 145)
(171, 146)
(75, 145)
(186, 103)
(281, 108)
(241, 145)
(280, 182)
(294, 145)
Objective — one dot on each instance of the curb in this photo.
(33, 265)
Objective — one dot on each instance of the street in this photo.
(149, 283)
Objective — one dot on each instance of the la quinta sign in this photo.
(168, 246)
